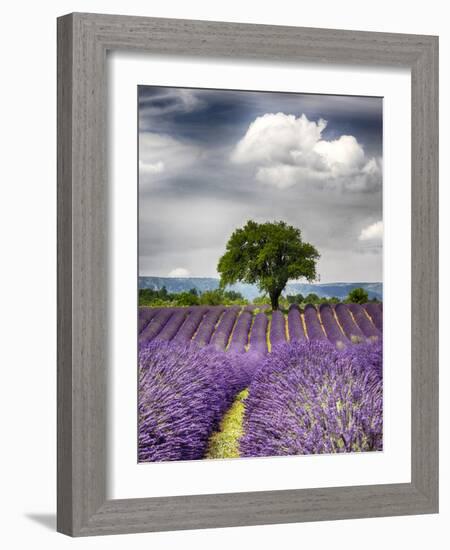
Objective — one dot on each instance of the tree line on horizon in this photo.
(163, 298)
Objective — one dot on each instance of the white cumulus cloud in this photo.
(373, 232)
(286, 150)
(342, 156)
(179, 272)
(278, 138)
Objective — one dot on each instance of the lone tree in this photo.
(268, 254)
(358, 296)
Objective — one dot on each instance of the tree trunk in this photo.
(274, 299)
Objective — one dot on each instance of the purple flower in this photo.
(368, 355)
(375, 312)
(222, 333)
(155, 326)
(172, 326)
(277, 329)
(208, 325)
(309, 398)
(239, 338)
(183, 393)
(146, 314)
(364, 322)
(351, 329)
(258, 342)
(295, 324)
(190, 325)
(312, 323)
(332, 328)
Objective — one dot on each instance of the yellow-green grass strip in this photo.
(353, 318)
(269, 324)
(337, 321)
(369, 317)
(305, 330)
(319, 317)
(230, 338)
(247, 345)
(225, 442)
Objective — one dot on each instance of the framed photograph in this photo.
(247, 274)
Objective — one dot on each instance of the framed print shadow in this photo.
(257, 317)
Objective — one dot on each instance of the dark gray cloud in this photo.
(195, 189)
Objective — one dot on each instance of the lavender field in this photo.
(243, 381)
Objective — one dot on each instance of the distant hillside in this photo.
(325, 290)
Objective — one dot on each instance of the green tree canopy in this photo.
(233, 295)
(357, 296)
(187, 298)
(295, 298)
(212, 297)
(269, 255)
(261, 300)
(312, 298)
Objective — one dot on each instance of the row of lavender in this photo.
(304, 398)
(239, 329)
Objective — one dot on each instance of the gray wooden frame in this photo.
(83, 40)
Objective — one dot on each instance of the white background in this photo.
(127, 479)
(28, 302)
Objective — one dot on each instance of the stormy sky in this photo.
(209, 160)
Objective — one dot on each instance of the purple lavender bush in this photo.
(155, 326)
(351, 329)
(183, 393)
(376, 314)
(190, 325)
(208, 325)
(145, 315)
(312, 323)
(332, 329)
(310, 398)
(172, 326)
(295, 325)
(239, 339)
(364, 322)
(368, 355)
(219, 339)
(258, 335)
(277, 329)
